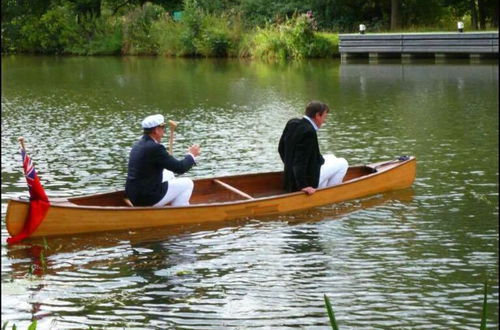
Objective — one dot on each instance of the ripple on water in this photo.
(404, 260)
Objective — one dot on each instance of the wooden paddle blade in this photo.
(172, 124)
(21, 141)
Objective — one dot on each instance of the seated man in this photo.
(305, 167)
(148, 183)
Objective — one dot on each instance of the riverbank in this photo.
(150, 30)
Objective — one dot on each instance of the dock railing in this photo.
(474, 44)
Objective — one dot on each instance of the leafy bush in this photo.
(217, 38)
(97, 36)
(295, 38)
(11, 34)
(191, 20)
(137, 38)
(56, 30)
(167, 32)
(198, 33)
(51, 33)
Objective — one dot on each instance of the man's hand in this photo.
(309, 190)
(194, 150)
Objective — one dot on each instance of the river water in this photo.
(411, 259)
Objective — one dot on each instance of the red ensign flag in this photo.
(39, 203)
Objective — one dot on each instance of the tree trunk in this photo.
(482, 14)
(473, 14)
(395, 14)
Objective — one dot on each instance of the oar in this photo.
(21, 141)
(172, 124)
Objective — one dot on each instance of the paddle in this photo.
(172, 124)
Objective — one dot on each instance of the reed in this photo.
(32, 326)
(295, 38)
(482, 326)
(331, 315)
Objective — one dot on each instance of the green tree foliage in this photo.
(219, 27)
(295, 38)
(97, 36)
(199, 33)
(137, 38)
(51, 33)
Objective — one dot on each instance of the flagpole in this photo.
(39, 203)
(21, 141)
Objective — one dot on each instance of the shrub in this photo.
(56, 30)
(213, 39)
(295, 38)
(137, 38)
(51, 33)
(97, 36)
(198, 33)
(167, 32)
(268, 43)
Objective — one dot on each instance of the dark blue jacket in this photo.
(299, 151)
(147, 160)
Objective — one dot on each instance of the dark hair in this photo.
(315, 107)
(148, 131)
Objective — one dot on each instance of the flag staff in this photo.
(21, 141)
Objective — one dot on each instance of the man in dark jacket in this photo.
(305, 167)
(147, 179)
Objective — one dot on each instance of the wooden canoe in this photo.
(213, 199)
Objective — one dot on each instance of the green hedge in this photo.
(149, 30)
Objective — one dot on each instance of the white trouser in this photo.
(332, 171)
(179, 190)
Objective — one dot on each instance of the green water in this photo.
(415, 258)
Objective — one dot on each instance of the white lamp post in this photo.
(362, 28)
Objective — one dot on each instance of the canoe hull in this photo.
(64, 219)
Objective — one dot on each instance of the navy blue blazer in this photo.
(144, 186)
(299, 151)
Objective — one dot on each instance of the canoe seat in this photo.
(233, 189)
(128, 202)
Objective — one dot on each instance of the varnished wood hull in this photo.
(210, 202)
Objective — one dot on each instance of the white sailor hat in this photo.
(153, 121)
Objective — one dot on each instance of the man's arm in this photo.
(170, 163)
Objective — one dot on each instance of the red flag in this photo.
(39, 203)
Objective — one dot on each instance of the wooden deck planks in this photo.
(441, 43)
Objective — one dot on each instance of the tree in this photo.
(86, 8)
(395, 14)
(473, 14)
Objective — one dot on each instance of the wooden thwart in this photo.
(233, 189)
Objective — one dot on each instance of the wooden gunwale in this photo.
(225, 210)
(68, 204)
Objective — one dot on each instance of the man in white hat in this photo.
(149, 162)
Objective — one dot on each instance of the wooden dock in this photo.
(455, 44)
